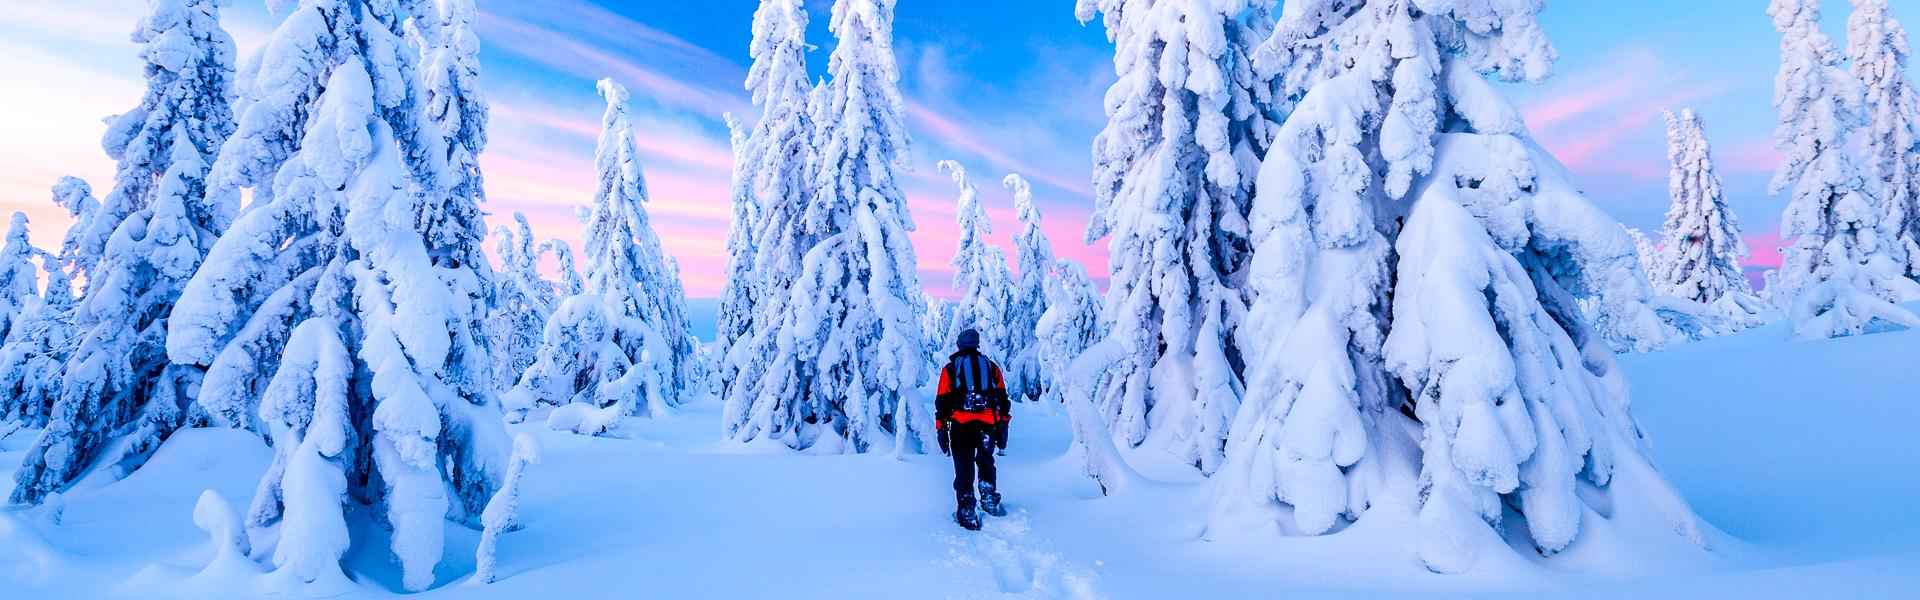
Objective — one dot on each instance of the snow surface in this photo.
(1806, 503)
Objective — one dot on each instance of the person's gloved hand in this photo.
(1000, 439)
(945, 446)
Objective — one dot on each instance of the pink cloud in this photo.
(1592, 151)
(1547, 113)
(1585, 118)
(962, 137)
(1759, 156)
(543, 116)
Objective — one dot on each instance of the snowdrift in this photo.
(1794, 452)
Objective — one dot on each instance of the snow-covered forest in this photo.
(1357, 329)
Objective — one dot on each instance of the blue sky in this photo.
(1000, 85)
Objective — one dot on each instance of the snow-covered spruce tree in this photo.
(1877, 47)
(348, 299)
(522, 303)
(1465, 315)
(1027, 374)
(19, 279)
(74, 195)
(980, 273)
(935, 322)
(1070, 325)
(626, 264)
(783, 160)
(1701, 261)
(739, 296)
(39, 330)
(456, 114)
(1173, 173)
(37, 350)
(571, 283)
(693, 370)
(1840, 271)
(1642, 246)
(846, 349)
(119, 382)
(609, 351)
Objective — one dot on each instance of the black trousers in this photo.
(972, 445)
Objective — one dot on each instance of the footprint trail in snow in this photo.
(1020, 565)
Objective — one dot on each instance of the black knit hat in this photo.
(969, 339)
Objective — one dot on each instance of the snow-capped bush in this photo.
(1070, 326)
(214, 515)
(119, 383)
(503, 511)
(1092, 438)
(1841, 271)
(1398, 147)
(342, 311)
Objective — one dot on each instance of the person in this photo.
(971, 414)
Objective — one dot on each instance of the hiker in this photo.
(971, 415)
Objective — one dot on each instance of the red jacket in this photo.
(946, 405)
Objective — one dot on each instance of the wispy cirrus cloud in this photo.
(556, 45)
(962, 137)
(1606, 119)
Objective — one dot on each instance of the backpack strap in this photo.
(960, 373)
(975, 372)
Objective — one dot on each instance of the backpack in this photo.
(971, 374)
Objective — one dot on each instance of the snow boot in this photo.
(990, 502)
(967, 519)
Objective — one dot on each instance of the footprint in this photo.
(1010, 567)
(1022, 565)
